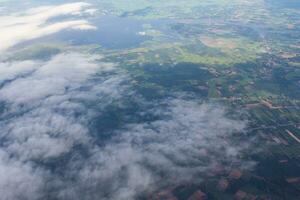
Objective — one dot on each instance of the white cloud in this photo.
(49, 106)
(47, 114)
(33, 23)
(9, 70)
(190, 140)
(63, 72)
(42, 131)
(18, 180)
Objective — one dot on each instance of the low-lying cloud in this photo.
(190, 141)
(49, 150)
(46, 114)
(19, 180)
(34, 23)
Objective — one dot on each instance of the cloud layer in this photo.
(49, 148)
(46, 115)
(47, 139)
(190, 141)
(34, 23)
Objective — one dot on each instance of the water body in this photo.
(113, 32)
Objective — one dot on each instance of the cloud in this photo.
(9, 71)
(190, 140)
(63, 72)
(47, 139)
(18, 180)
(46, 115)
(34, 23)
(44, 124)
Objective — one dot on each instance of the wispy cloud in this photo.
(47, 140)
(19, 179)
(46, 115)
(190, 140)
(34, 23)
(41, 130)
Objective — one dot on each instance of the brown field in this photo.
(269, 104)
(288, 55)
(218, 43)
